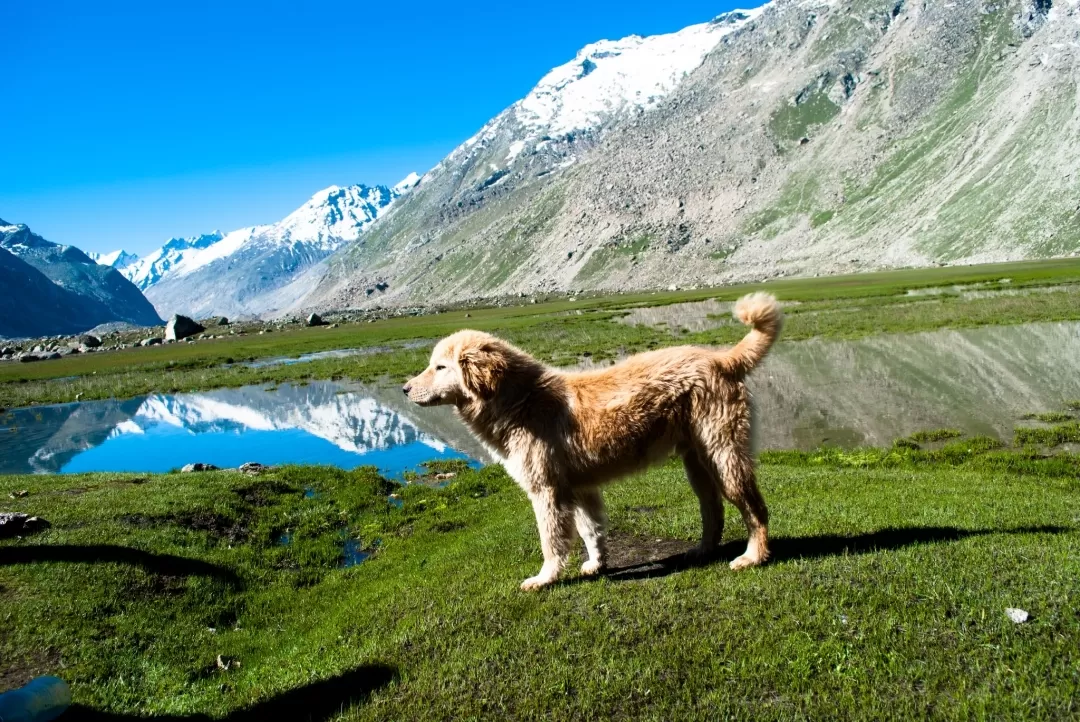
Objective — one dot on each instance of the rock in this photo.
(1018, 616)
(180, 327)
(19, 494)
(313, 320)
(88, 340)
(150, 342)
(53, 356)
(445, 475)
(253, 468)
(226, 663)
(192, 468)
(219, 321)
(18, 524)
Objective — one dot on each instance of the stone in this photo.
(53, 356)
(150, 342)
(192, 468)
(18, 524)
(219, 321)
(313, 320)
(180, 327)
(1018, 616)
(19, 494)
(253, 468)
(88, 340)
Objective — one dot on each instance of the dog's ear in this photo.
(482, 368)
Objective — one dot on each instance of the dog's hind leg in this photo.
(706, 485)
(739, 485)
(592, 527)
(555, 520)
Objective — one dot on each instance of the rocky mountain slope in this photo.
(54, 289)
(252, 271)
(804, 137)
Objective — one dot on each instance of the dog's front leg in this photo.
(555, 521)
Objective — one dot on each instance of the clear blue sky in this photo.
(125, 123)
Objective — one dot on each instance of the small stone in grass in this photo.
(19, 494)
(1018, 616)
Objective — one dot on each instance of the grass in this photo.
(559, 330)
(1049, 417)
(878, 605)
(1049, 436)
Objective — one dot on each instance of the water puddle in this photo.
(845, 393)
(335, 353)
(318, 423)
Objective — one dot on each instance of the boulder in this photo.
(150, 342)
(313, 320)
(17, 524)
(88, 340)
(180, 327)
(253, 468)
(220, 321)
(53, 356)
(191, 468)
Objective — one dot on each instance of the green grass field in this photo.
(886, 597)
(561, 331)
(224, 596)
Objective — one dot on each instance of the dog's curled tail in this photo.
(762, 313)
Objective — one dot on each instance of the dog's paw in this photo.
(591, 567)
(533, 583)
(744, 562)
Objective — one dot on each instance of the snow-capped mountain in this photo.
(540, 136)
(250, 271)
(116, 259)
(150, 269)
(48, 288)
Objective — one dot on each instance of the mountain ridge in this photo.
(814, 138)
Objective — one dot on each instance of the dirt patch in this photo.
(14, 674)
(631, 550)
(262, 493)
(221, 527)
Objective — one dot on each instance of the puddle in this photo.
(352, 554)
(873, 390)
(692, 315)
(845, 393)
(336, 353)
(318, 423)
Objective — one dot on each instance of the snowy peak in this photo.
(336, 214)
(145, 272)
(116, 259)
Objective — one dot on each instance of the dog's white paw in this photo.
(743, 562)
(593, 566)
(538, 582)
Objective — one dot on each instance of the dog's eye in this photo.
(440, 367)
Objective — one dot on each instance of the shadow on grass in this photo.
(166, 564)
(815, 547)
(314, 702)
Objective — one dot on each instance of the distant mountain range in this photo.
(801, 137)
(52, 289)
(252, 271)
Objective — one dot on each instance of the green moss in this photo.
(821, 218)
(794, 121)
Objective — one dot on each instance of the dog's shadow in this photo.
(627, 552)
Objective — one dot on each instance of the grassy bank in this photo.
(563, 331)
(886, 599)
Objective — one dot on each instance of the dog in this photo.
(561, 435)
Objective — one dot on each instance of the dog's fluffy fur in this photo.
(561, 435)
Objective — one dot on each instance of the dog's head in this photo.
(466, 366)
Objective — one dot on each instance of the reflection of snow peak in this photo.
(351, 422)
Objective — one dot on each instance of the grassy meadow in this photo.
(305, 593)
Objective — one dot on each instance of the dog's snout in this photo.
(406, 389)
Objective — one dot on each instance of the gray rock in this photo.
(253, 468)
(191, 468)
(18, 524)
(313, 320)
(53, 356)
(150, 342)
(180, 327)
(88, 340)
(1018, 616)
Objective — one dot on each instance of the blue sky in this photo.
(124, 123)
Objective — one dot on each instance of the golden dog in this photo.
(561, 435)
